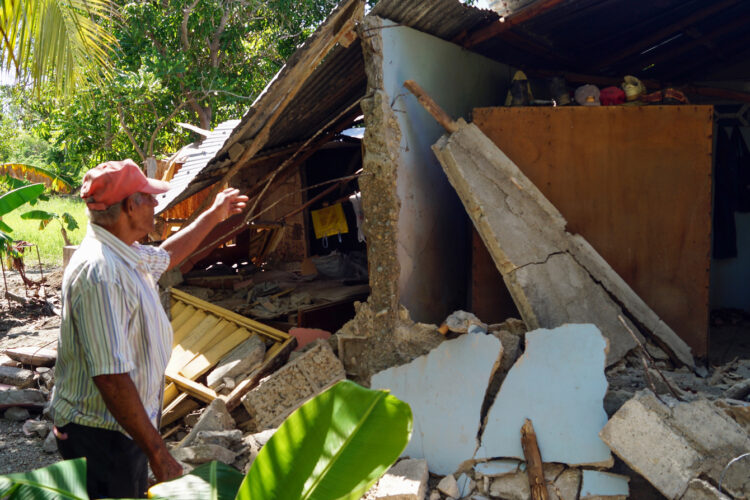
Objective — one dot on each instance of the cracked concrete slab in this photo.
(445, 389)
(553, 277)
(559, 384)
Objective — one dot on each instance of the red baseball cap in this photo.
(113, 181)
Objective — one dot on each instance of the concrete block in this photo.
(214, 418)
(559, 384)
(202, 453)
(50, 444)
(670, 444)
(465, 485)
(699, 489)
(16, 414)
(445, 389)
(597, 484)
(566, 485)
(449, 486)
(240, 361)
(285, 390)
(407, 480)
(22, 397)
(19, 377)
(496, 468)
(227, 439)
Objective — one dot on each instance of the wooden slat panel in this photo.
(193, 321)
(185, 314)
(177, 308)
(200, 363)
(217, 351)
(191, 344)
(636, 183)
(195, 389)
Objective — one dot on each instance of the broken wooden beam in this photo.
(534, 468)
(554, 277)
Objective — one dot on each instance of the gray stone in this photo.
(559, 384)
(740, 390)
(38, 427)
(16, 414)
(497, 468)
(435, 495)
(215, 417)
(516, 486)
(699, 489)
(34, 356)
(671, 444)
(446, 420)
(227, 439)
(50, 444)
(239, 362)
(448, 486)
(264, 436)
(465, 485)
(407, 480)
(202, 453)
(599, 485)
(460, 321)
(566, 485)
(285, 390)
(19, 377)
(22, 397)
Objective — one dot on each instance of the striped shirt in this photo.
(112, 322)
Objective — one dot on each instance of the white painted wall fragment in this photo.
(559, 384)
(599, 484)
(445, 389)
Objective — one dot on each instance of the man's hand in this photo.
(164, 466)
(228, 202)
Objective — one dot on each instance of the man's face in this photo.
(142, 216)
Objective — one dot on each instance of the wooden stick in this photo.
(533, 462)
(431, 106)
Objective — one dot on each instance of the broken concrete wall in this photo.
(432, 237)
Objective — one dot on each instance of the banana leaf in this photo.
(43, 175)
(63, 480)
(333, 447)
(14, 199)
(42, 216)
(211, 481)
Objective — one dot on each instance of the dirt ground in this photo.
(32, 325)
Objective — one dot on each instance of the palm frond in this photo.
(57, 40)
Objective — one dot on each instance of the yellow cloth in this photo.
(329, 221)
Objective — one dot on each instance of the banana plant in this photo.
(335, 446)
(11, 201)
(52, 180)
(67, 222)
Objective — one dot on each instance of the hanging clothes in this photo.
(359, 215)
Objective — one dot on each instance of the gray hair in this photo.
(109, 215)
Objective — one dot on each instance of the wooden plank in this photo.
(185, 314)
(253, 326)
(178, 408)
(193, 342)
(276, 356)
(635, 182)
(170, 393)
(217, 351)
(188, 326)
(201, 363)
(191, 387)
(176, 308)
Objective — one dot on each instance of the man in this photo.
(115, 338)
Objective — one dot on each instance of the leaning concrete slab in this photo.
(597, 484)
(407, 480)
(559, 384)
(445, 389)
(544, 267)
(672, 443)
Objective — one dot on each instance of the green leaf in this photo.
(5, 227)
(39, 215)
(63, 480)
(335, 446)
(14, 199)
(214, 480)
(70, 221)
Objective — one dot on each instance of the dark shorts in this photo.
(116, 466)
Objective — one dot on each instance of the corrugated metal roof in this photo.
(196, 156)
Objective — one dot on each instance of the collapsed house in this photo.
(372, 223)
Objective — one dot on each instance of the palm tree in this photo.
(59, 41)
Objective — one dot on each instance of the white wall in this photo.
(433, 226)
(730, 278)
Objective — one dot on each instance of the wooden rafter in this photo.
(516, 19)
